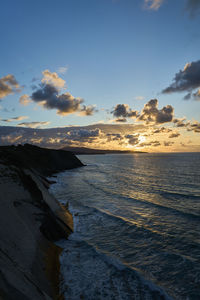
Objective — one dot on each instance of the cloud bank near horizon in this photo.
(99, 136)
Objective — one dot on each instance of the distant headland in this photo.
(84, 150)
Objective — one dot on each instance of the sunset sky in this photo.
(121, 74)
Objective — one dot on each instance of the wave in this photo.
(173, 195)
(106, 215)
(91, 274)
(174, 211)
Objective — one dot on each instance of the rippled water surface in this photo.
(136, 227)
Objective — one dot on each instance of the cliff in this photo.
(30, 221)
(45, 161)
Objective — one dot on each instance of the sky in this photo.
(121, 74)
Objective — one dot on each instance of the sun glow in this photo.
(142, 138)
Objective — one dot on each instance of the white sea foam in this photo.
(88, 274)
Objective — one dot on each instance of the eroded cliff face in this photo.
(30, 221)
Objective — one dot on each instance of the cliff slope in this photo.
(30, 221)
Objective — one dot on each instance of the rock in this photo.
(30, 221)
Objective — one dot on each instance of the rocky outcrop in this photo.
(30, 221)
(45, 161)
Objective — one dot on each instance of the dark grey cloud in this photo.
(88, 110)
(151, 113)
(168, 144)
(190, 126)
(193, 6)
(49, 96)
(195, 126)
(133, 139)
(123, 139)
(180, 122)
(121, 120)
(114, 137)
(8, 85)
(162, 130)
(174, 135)
(186, 80)
(122, 111)
(83, 134)
(150, 144)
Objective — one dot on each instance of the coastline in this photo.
(31, 221)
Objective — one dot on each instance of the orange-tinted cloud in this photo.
(8, 85)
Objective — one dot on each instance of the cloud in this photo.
(188, 80)
(62, 70)
(8, 85)
(49, 96)
(139, 98)
(193, 6)
(52, 79)
(124, 111)
(168, 144)
(153, 4)
(100, 136)
(180, 122)
(174, 135)
(195, 126)
(161, 130)
(20, 118)
(24, 99)
(14, 137)
(190, 126)
(33, 124)
(121, 120)
(114, 137)
(196, 95)
(88, 110)
(133, 139)
(150, 144)
(84, 133)
(151, 113)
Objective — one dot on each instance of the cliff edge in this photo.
(30, 221)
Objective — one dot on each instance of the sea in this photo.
(136, 227)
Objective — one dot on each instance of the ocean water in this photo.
(136, 227)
